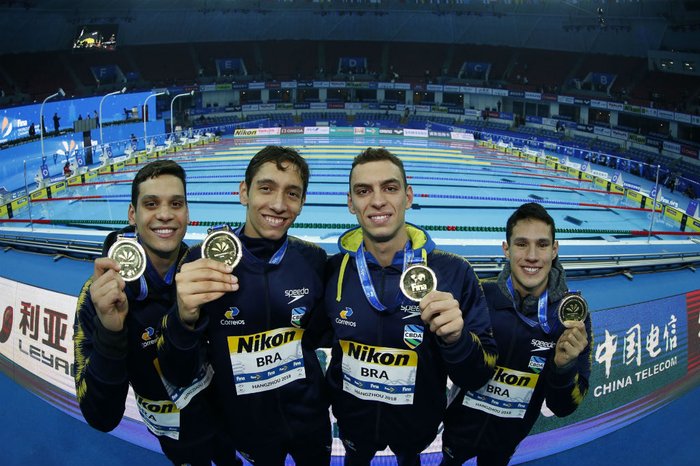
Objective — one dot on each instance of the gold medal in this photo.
(417, 281)
(222, 246)
(573, 307)
(130, 256)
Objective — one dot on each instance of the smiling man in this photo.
(251, 324)
(392, 351)
(118, 321)
(543, 332)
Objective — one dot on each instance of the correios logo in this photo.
(5, 127)
(345, 314)
(230, 317)
(149, 337)
(147, 334)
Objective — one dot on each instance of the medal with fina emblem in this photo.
(417, 281)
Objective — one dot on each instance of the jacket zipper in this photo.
(511, 347)
(268, 324)
(380, 341)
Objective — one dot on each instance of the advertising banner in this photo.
(637, 349)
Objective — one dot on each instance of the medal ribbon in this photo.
(541, 309)
(366, 278)
(219, 227)
(278, 255)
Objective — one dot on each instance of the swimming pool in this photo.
(463, 192)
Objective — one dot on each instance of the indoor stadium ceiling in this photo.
(620, 27)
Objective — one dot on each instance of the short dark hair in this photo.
(278, 155)
(154, 170)
(531, 210)
(377, 155)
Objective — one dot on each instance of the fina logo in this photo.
(6, 127)
(68, 148)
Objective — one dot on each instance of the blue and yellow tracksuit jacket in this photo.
(501, 414)
(388, 372)
(107, 362)
(268, 379)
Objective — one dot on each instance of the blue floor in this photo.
(669, 436)
(34, 432)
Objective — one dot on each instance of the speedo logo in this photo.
(540, 345)
(230, 317)
(296, 294)
(411, 310)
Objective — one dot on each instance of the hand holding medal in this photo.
(439, 310)
(202, 281)
(107, 291)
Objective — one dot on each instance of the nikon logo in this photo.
(504, 377)
(246, 132)
(262, 341)
(156, 407)
(371, 355)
